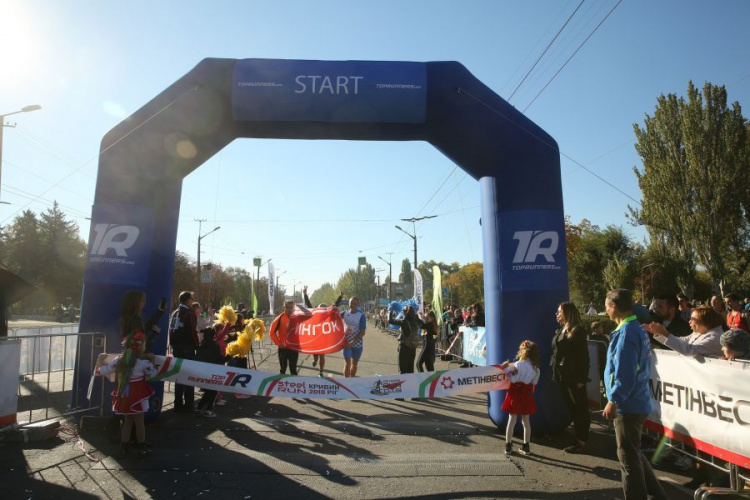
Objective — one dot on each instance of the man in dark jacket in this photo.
(668, 312)
(183, 337)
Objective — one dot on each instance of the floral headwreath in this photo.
(135, 341)
(526, 344)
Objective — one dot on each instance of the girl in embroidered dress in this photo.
(132, 368)
(519, 400)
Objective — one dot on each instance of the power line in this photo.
(144, 122)
(437, 190)
(548, 29)
(461, 90)
(31, 196)
(572, 55)
(545, 51)
(579, 27)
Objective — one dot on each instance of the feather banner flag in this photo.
(418, 289)
(437, 294)
(271, 287)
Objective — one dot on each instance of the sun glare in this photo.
(20, 51)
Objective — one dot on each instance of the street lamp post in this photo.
(413, 221)
(643, 295)
(390, 274)
(198, 269)
(377, 290)
(260, 264)
(294, 288)
(25, 109)
(278, 283)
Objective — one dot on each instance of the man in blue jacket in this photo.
(626, 380)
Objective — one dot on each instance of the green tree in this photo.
(242, 288)
(47, 251)
(694, 180)
(406, 276)
(63, 252)
(183, 277)
(23, 255)
(23, 247)
(595, 251)
(326, 294)
(359, 282)
(467, 284)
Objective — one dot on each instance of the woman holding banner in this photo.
(570, 367)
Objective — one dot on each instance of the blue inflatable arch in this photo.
(144, 159)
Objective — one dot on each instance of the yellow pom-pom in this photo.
(227, 315)
(232, 349)
(255, 327)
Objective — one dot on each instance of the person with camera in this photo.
(131, 321)
(408, 340)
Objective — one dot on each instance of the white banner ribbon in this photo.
(411, 385)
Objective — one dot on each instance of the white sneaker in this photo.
(221, 402)
(208, 414)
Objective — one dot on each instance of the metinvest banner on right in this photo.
(703, 402)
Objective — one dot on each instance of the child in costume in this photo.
(132, 368)
(519, 400)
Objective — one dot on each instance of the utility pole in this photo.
(413, 221)
(377, 290)
(25, 109)
(258, 262)
(390, 274)
(361, 261)
(198, 267)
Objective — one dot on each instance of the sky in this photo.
(314, 207)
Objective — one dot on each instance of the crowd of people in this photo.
(718, 330)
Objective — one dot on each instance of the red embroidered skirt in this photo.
(136, 399)
(519, 400)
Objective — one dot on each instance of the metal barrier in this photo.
(738, 477)
(47, 376)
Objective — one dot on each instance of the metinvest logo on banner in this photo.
(329, 91)
(119, 245)
(533, 250)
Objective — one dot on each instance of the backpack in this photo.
(409, 333)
